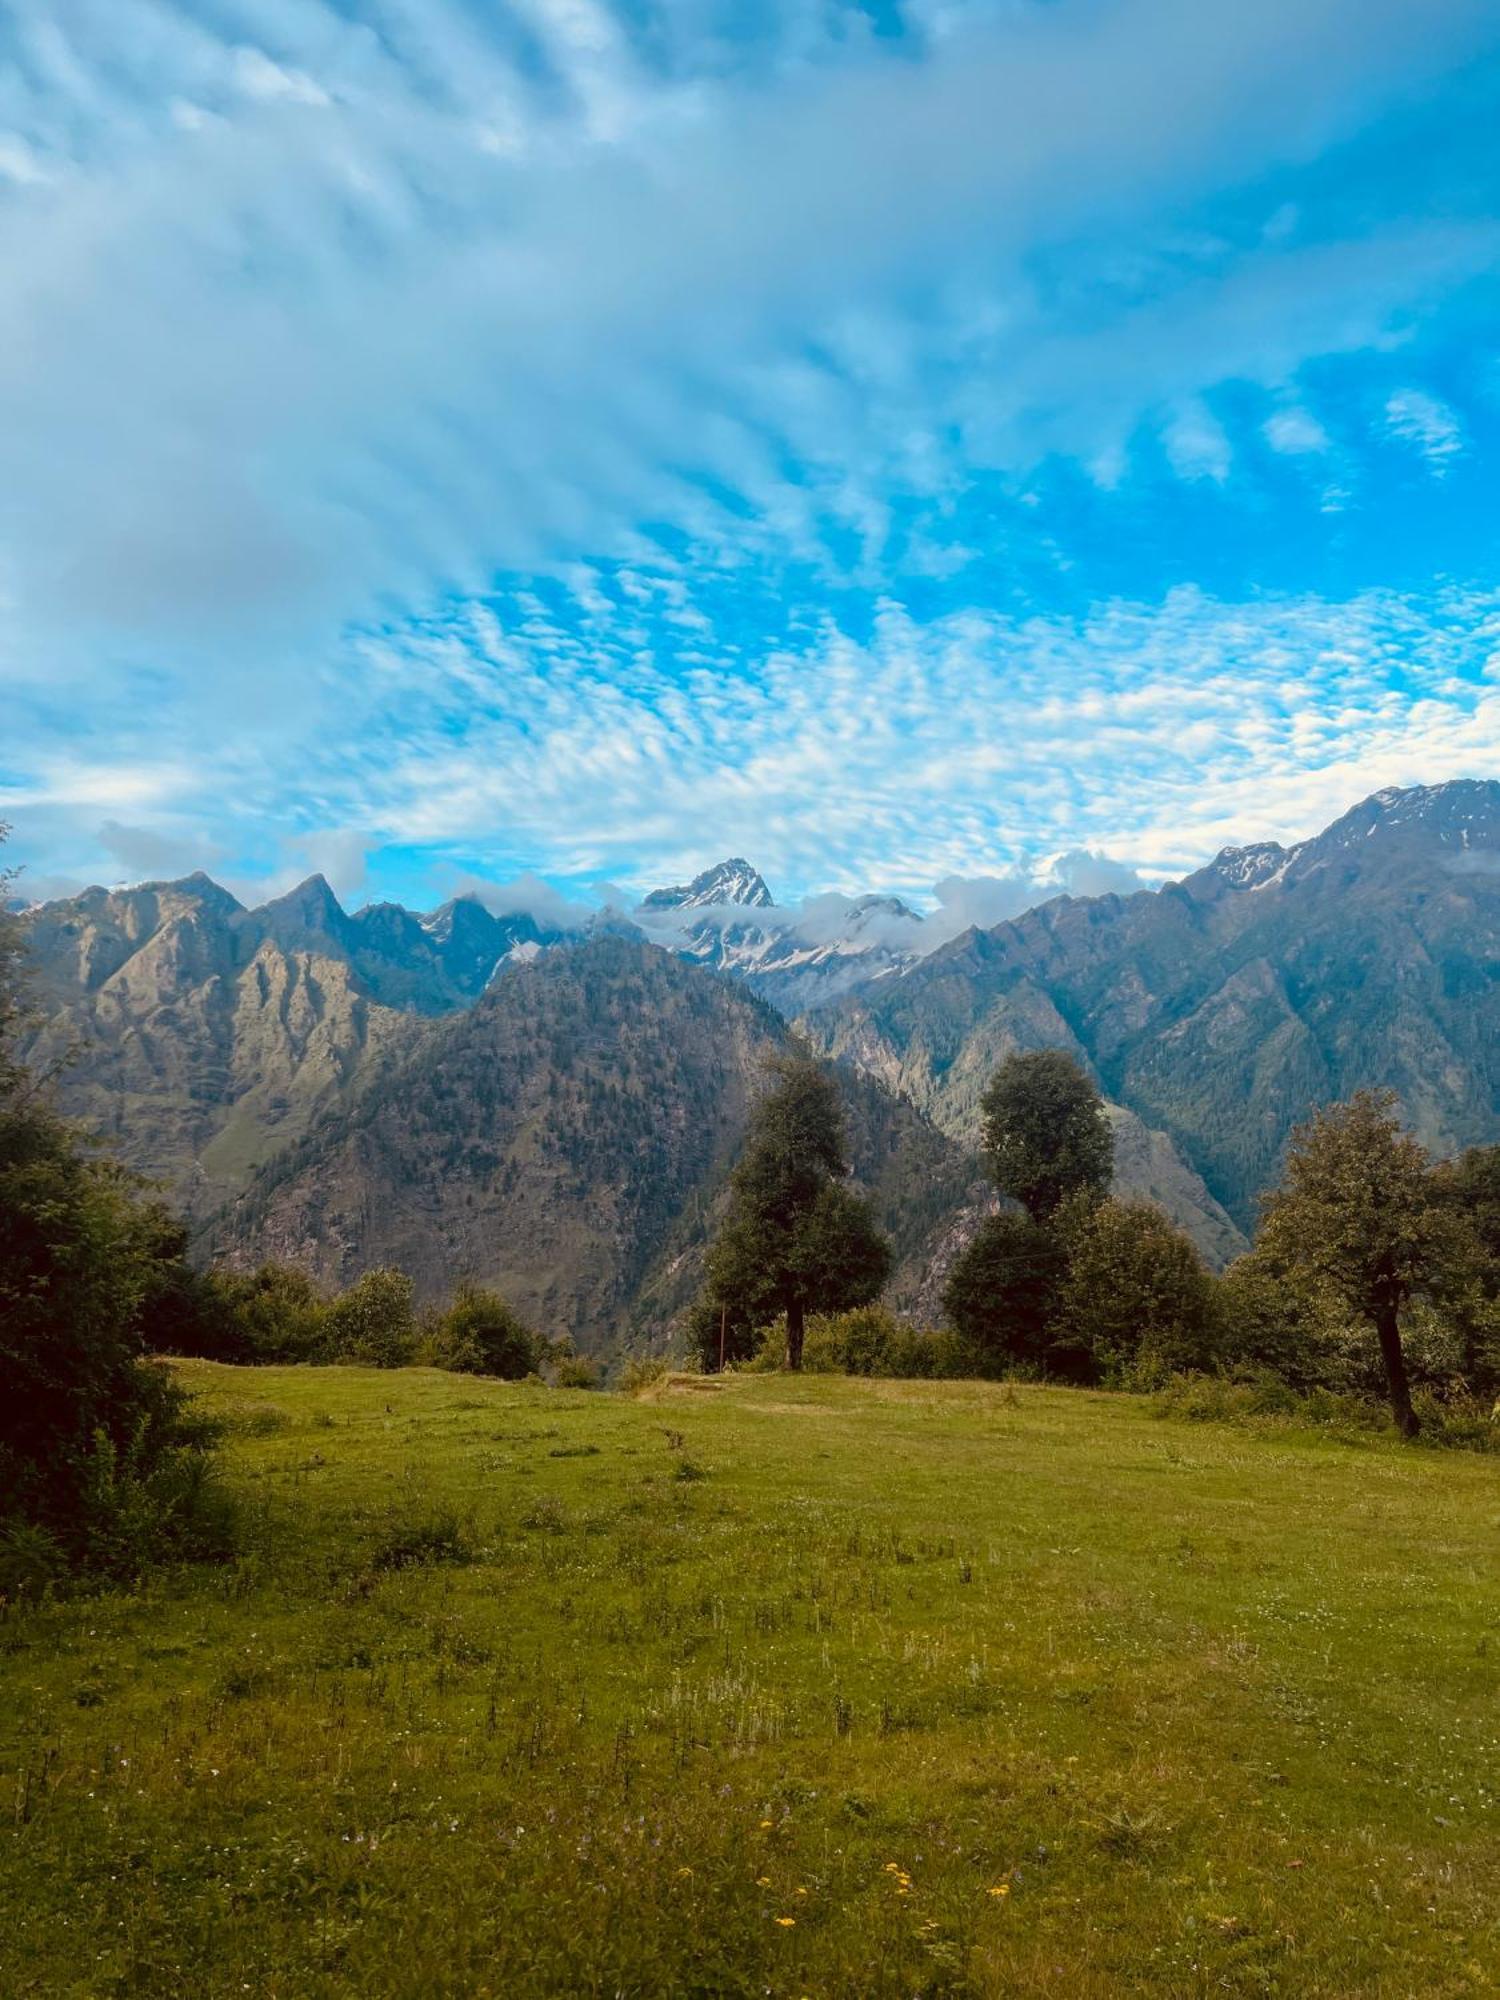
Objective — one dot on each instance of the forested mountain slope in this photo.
(566, 1139)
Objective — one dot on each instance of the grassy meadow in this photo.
(770, 1687)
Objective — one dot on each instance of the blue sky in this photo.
(903, 443)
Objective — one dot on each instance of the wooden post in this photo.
(723, 1330)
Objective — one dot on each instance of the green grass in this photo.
(519, 1691)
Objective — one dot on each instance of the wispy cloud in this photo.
(1427, 425)
(542, 433)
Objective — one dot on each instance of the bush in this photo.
(643, 1371)
(482, 1334)
(372, 1322)
(1456, 1420)
(869, 1340)
(443, 1536)
(576, 1371)
(100, 1462)
(277, 1313)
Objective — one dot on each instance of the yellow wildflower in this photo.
(683, 1873)
(1001, 1889)
(786, 1922)
(764, 1824)
(762, 1881)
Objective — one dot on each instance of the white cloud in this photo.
(355, 359)
(257, 76)
(1427, 425)
(1196, 444)
(1296, 433)
(18, 161)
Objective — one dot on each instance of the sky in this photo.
(904, 442)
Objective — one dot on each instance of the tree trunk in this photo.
(794, 1330)
(1388, 1326)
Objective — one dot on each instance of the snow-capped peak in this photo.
(1250, 867)
(733, 881)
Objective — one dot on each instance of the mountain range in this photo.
(555, 1106)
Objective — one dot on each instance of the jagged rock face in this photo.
(195, 1045)
(1223, 1009)
(566, 1139)
(732, 881)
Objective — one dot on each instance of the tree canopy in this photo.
(1046, 1137)
(1355, 1208)
(796, 1239)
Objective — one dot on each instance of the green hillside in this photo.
(752, 1686)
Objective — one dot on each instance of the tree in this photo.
(1002, 1293)
(1046, 1138)
(1356, 1208)
(482, 1334)
(1136, 1301)
(795, 1239)
(100, 1465)
(1467, 1288)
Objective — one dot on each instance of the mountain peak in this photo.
(732, 881)
(1250, 867)
(310, 907)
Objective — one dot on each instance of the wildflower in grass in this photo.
(1001, 1889)
(683, 1873)
(786, 1922)
(762, 1881)
(765, 1823)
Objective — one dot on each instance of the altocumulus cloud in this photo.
(325, 328)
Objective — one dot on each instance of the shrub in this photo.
(643, 1371)
(576, 1371)
(869, 1340)
(443, 1536)
(372, 1322)
(482, 1334)
(1272, 1317)
(277, 1312)
(99, 1458)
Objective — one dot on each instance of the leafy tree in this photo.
(100, 1465)
(1046, 1138)
(482, 1334)
(373, 1321)
(795, 1239)
(1467, 1287)
(1356, 1208)
(1287, 1319)
(1002, 1293)
(1136, 1301)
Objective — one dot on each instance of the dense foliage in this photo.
(796, 1239)
(101, 1468)
(1045, 1136)
(1070, 1284)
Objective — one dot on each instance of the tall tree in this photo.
(1046, 1138)
(796, 1240)
(1356, 1207)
